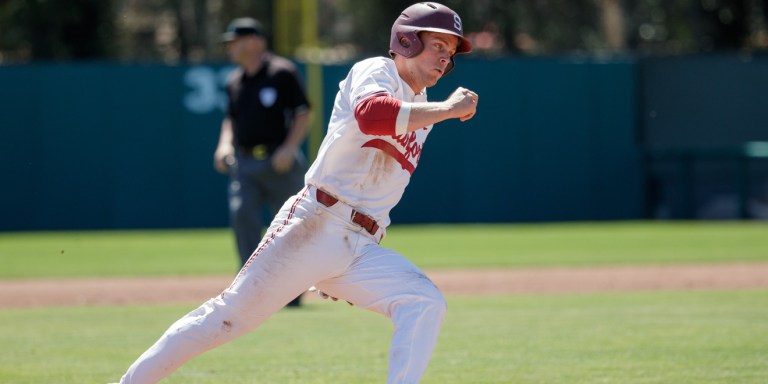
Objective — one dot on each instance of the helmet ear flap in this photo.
(409, 44)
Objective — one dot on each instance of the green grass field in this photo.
(618, 338)
(197, 252)
(681, 337)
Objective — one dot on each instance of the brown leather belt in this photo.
(361, 219)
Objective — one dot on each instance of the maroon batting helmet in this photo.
(404, 39)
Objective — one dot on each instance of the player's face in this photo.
(429, 65)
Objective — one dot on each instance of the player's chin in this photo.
(432, 80)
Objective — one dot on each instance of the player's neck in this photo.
(409, 79)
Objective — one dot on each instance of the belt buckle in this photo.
(259, 152)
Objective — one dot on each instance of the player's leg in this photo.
(186, 338)
(383, 281)
(286, 263)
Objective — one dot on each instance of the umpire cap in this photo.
(243, 26)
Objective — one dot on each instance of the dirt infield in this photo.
(157, 290)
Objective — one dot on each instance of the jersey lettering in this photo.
(412, 150)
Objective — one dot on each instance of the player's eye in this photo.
(442, 47)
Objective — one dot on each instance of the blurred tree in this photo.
(370, 24)
(57, 30)
(661, 27)
(190, 30)
(722, 24)
(612, 25)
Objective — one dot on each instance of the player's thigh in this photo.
(304, 244)
(379, 278)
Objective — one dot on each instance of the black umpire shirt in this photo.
(262, 107)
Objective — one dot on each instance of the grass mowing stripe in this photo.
(561, 244)
(631, 338)
(117, 253)
(196, 252)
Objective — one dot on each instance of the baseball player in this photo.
(328, 234)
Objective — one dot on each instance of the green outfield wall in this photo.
(105, 145)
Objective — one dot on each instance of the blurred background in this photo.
(591, 109)
(177, 31)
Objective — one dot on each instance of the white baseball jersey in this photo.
(369, 172)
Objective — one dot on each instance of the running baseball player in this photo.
(328, 234)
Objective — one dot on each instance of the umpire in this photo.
(261, 134)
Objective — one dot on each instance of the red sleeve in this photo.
(377, 115)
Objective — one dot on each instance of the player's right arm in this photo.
(462, 105)
(383, 114)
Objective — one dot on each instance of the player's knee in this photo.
(429, 304)
(438, 305)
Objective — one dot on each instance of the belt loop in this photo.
(325, 198)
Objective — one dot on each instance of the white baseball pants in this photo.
(310, 244)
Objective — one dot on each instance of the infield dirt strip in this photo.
(156, 290)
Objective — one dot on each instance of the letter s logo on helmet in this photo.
(457, 23)
(404, 38)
